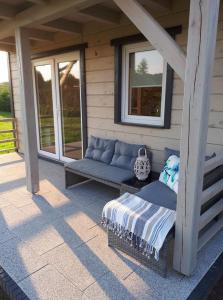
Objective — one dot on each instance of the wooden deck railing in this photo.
(211, 221)
(13, 131)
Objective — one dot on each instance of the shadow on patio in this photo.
(52, 245)
(55, 235)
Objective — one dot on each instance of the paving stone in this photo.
(63, 226)
(39, 235)
(5, 235)
(40, 207)
(112, 288)
(11, 217)
(80, 265)
(49, 284)
(18, 259)
(116, 261)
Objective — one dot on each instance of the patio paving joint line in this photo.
(30, 274)
(104, 274)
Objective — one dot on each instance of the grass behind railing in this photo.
(3, 136)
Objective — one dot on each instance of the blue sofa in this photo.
(108, 161)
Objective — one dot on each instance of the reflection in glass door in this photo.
(58, 106)
(70, 108)
(45, 110)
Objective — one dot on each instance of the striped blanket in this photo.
(143, 224)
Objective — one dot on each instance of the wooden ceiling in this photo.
(45, 18)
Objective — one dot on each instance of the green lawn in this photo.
(72, 130)
(3, 136)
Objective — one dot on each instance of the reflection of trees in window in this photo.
(145, 89)
(70, 90)
(44, 91)
(142, 67)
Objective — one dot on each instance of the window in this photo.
(143, 83)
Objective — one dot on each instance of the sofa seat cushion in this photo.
(100, 149)
(125, 155)
(100, 170)
(159, 194)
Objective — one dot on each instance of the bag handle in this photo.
(145, 152)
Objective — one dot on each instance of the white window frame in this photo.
(125, 116)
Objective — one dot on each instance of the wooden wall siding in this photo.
(100, 86)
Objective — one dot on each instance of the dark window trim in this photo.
(59, 51)
(81, 48)
(118, 44)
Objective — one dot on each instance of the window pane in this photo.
(69, 74)
(45, 108)
(145, 83)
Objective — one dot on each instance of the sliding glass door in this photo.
(58, 107)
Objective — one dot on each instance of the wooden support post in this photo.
(28, 110)
(202, 33)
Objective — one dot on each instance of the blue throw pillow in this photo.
(170, 173)
(125, 155)
(100, 149)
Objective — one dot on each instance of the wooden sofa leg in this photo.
(72, 179)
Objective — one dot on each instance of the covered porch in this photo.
(55, 232)
(53, 246)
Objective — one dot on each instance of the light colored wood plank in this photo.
(100, 101)
(105, 88)
(210, 214)
(199, 66)
(63, 25)
(7, 12)
(210, 233)
(103, 63)
(39, 14)
(102, 14)
(100, 76)
(98, 52)
(212, 191)
(41, 35)
(155, 33)
(213, 163)
(28, 111)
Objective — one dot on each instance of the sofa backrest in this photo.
(100, 149)
(125, 155)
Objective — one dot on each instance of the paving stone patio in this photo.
(52, 245)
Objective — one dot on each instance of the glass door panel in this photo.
(70, 107)
(45, 108)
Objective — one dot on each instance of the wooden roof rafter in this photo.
(63, 25)
(102, 14)
(51, 11)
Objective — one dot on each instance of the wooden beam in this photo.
(213, 163)
(8, 41)
(207, 235)
(155, 33)
(202, 35)
(7, 12)
(102, 14)
(38, 1)
(7, 47)
(41, 35)
(212, 191)
(64, 25)
(28, 111)
(159, 4)
(211, 213)
(38, 14)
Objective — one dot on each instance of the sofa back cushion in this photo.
(125, 155)
(169, 152)
(100, 149)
